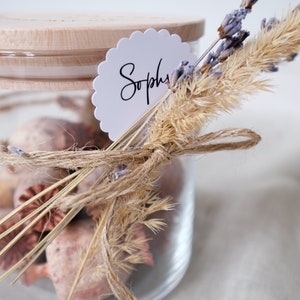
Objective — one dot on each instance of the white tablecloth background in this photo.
(247, 224)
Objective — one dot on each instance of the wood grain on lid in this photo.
(71, 32)
(63, 51)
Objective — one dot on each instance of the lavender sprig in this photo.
(177, 73)
(225, 49)
(232, 23)
(230, 31)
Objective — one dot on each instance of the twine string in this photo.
(143, 161)
(98, 158)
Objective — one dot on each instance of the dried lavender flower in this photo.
(225, 49)
(177, 73)
(182, 72)
(225, 54)
(231, 44)
(189, 72)
(273, 68)
(211, 60)
(291, 56)
(232, 23)
(231, 31)
(237, 41)
(268, 25)
(16, 150)
(122, 171)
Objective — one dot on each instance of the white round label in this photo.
(133, 77)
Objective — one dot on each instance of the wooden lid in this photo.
(34, 49)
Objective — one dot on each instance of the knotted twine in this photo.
(145, 160)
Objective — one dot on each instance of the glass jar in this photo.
(47, 65)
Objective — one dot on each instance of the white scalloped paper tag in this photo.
(133, 77)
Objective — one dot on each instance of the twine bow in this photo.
(143, 161)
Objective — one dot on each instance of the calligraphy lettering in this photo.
(129, 90)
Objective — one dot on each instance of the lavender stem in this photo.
(206, 52)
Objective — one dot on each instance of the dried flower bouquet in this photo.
(122, 196)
